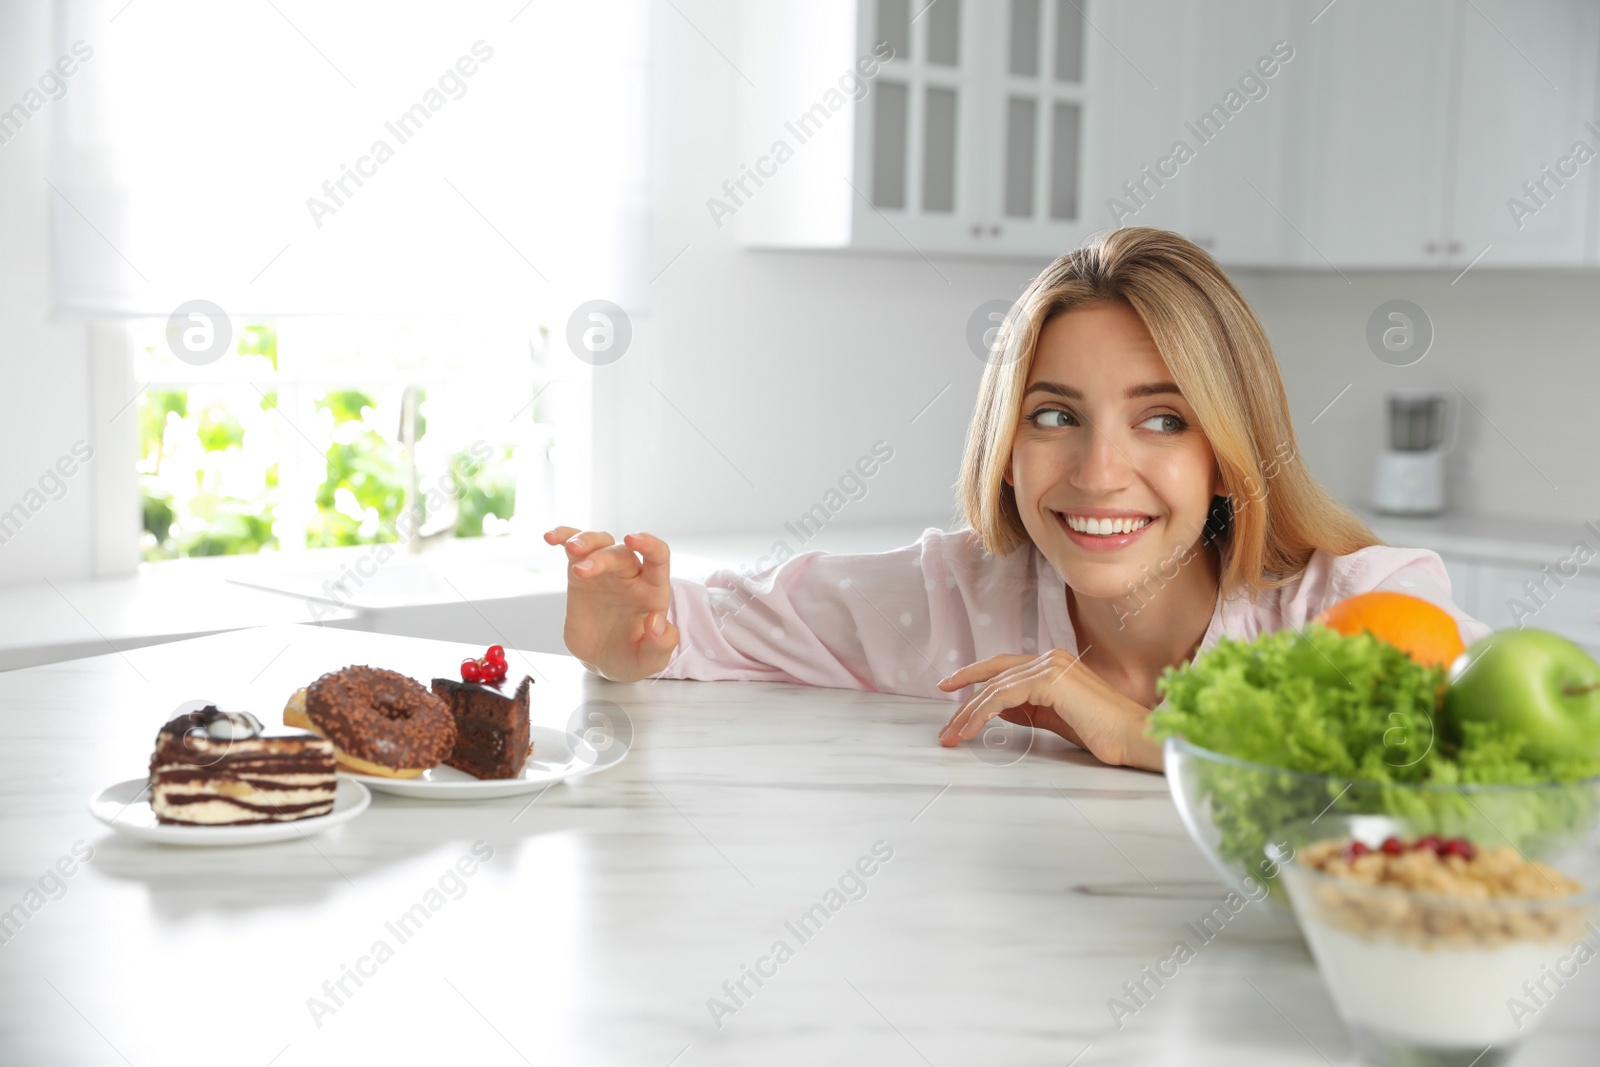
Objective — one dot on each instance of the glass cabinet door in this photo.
(915, 105)
(1041, 111)
(973, 135)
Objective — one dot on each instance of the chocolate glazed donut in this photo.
(381, 721)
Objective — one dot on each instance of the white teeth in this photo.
(1105, 527)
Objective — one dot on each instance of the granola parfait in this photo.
(1439, 952)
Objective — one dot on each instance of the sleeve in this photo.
(1417, 571)
(893, 622)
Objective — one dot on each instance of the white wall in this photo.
(793, 363)
(1521, 346)
(44, 364)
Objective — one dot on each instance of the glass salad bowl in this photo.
(1234, 809)
(1439, 953)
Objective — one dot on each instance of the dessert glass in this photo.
(1440, 977)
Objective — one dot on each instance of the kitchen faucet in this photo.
(421, 536)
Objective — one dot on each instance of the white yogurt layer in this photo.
(1449, 997)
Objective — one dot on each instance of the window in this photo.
(325, 433)
(391, 215)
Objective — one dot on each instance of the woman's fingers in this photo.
(1024, 683)
(613, 559)
(594, 552)
(578, 544)
(658, 633)
(655, 553)
(950, 733)
(982, 671)
(955, 730)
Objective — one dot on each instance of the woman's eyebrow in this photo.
(1148, 389)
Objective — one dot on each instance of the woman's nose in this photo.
(1103, 467)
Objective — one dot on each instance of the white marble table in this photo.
(1019, 896)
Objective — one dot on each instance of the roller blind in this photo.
(293, 157)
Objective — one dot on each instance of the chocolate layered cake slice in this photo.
(219, 768)
(491, 728)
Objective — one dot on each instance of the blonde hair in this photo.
(1219, 357)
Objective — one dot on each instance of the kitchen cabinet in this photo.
(973, 136)
(1423, 122)
(921, 144)
(1526, 91)
(1569, 609)
(1133, 184)
(1235, 186)
(1392, 135)
(1373, 152)
(1036, 101)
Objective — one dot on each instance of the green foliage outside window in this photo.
(213, 514)
(366, 476)
(491, 491)
(209, 472)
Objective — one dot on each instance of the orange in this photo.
(1419, 628)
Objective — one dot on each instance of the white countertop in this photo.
(1018, 898)
(1535, 541)
(46, 622)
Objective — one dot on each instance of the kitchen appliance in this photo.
(1409, 478)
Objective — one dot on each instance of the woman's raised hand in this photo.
(617, 597)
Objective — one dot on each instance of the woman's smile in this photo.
(1103, 529)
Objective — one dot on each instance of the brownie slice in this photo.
(491, 728)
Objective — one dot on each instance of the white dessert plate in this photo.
(557, 755)
(125, 807)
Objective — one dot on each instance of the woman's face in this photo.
(1111, 472)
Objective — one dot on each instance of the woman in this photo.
(1132, 492)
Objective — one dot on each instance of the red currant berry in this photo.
(1354, 851)
(470, 671)
(496, 654)
(1392, 846)
(1460, 846)
(1431, 843)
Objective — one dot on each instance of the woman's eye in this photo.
(1164, 423)
(1051, 418)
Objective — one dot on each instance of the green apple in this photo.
(1542, 685)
